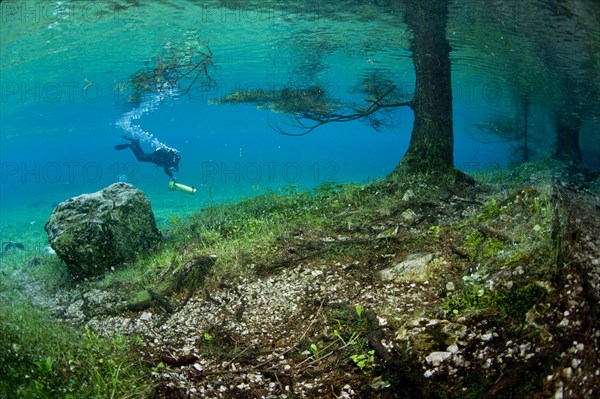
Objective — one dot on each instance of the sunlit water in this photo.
(62, 112)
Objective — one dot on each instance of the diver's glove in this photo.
(173, 177)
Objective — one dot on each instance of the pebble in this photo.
(559, 394)
(146, 316)
(487, 337)
(452, 348)
(408, 195)
(428, 373)
(436, 358)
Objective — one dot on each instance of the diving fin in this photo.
(122, 146)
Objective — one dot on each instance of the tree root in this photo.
(191, 276)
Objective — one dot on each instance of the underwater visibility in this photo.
(308, 199)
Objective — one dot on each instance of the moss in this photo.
(489, 210)
(517, 302)
(472, 243)
(492, 248)
(477, 298)
(476, 386)
(434, 338)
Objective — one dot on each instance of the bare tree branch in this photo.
(176, 72)
(308, 121)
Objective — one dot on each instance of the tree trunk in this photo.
(431, 148)
(526, 130)
(567, 137)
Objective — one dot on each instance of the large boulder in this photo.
(93, 232)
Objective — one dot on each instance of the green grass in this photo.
(40, 358)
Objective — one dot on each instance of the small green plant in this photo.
(158, 367)
(364, 361)
(490, 207)
(208, 336)
(359, 310)
(350, 341)
(314, 349)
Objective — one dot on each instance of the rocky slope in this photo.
(466, 293)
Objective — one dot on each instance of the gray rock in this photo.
(408, 195)
(409, 215)
(93, 232)
(415, 267)
(436, 358)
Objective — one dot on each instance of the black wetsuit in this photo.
(166, 157)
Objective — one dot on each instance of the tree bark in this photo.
(431, 148)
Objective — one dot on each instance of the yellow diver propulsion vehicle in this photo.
(181, 187)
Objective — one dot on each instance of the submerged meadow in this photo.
(371, 199)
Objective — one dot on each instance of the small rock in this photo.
(146, 316)
(436, 358)
(486, 337)
(564, 322)
(408, 215)
(559, 394)
(452, 348)
(412, 268)
(408, 195)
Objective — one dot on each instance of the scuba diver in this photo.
(166, 157)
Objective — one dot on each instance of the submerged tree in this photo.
(554, 63)
(431, 146)
(568, 126)
(506, 129)
(176, 71)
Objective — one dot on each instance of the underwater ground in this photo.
(394, 199)
(399, 288)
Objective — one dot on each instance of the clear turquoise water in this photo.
(63, 61)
